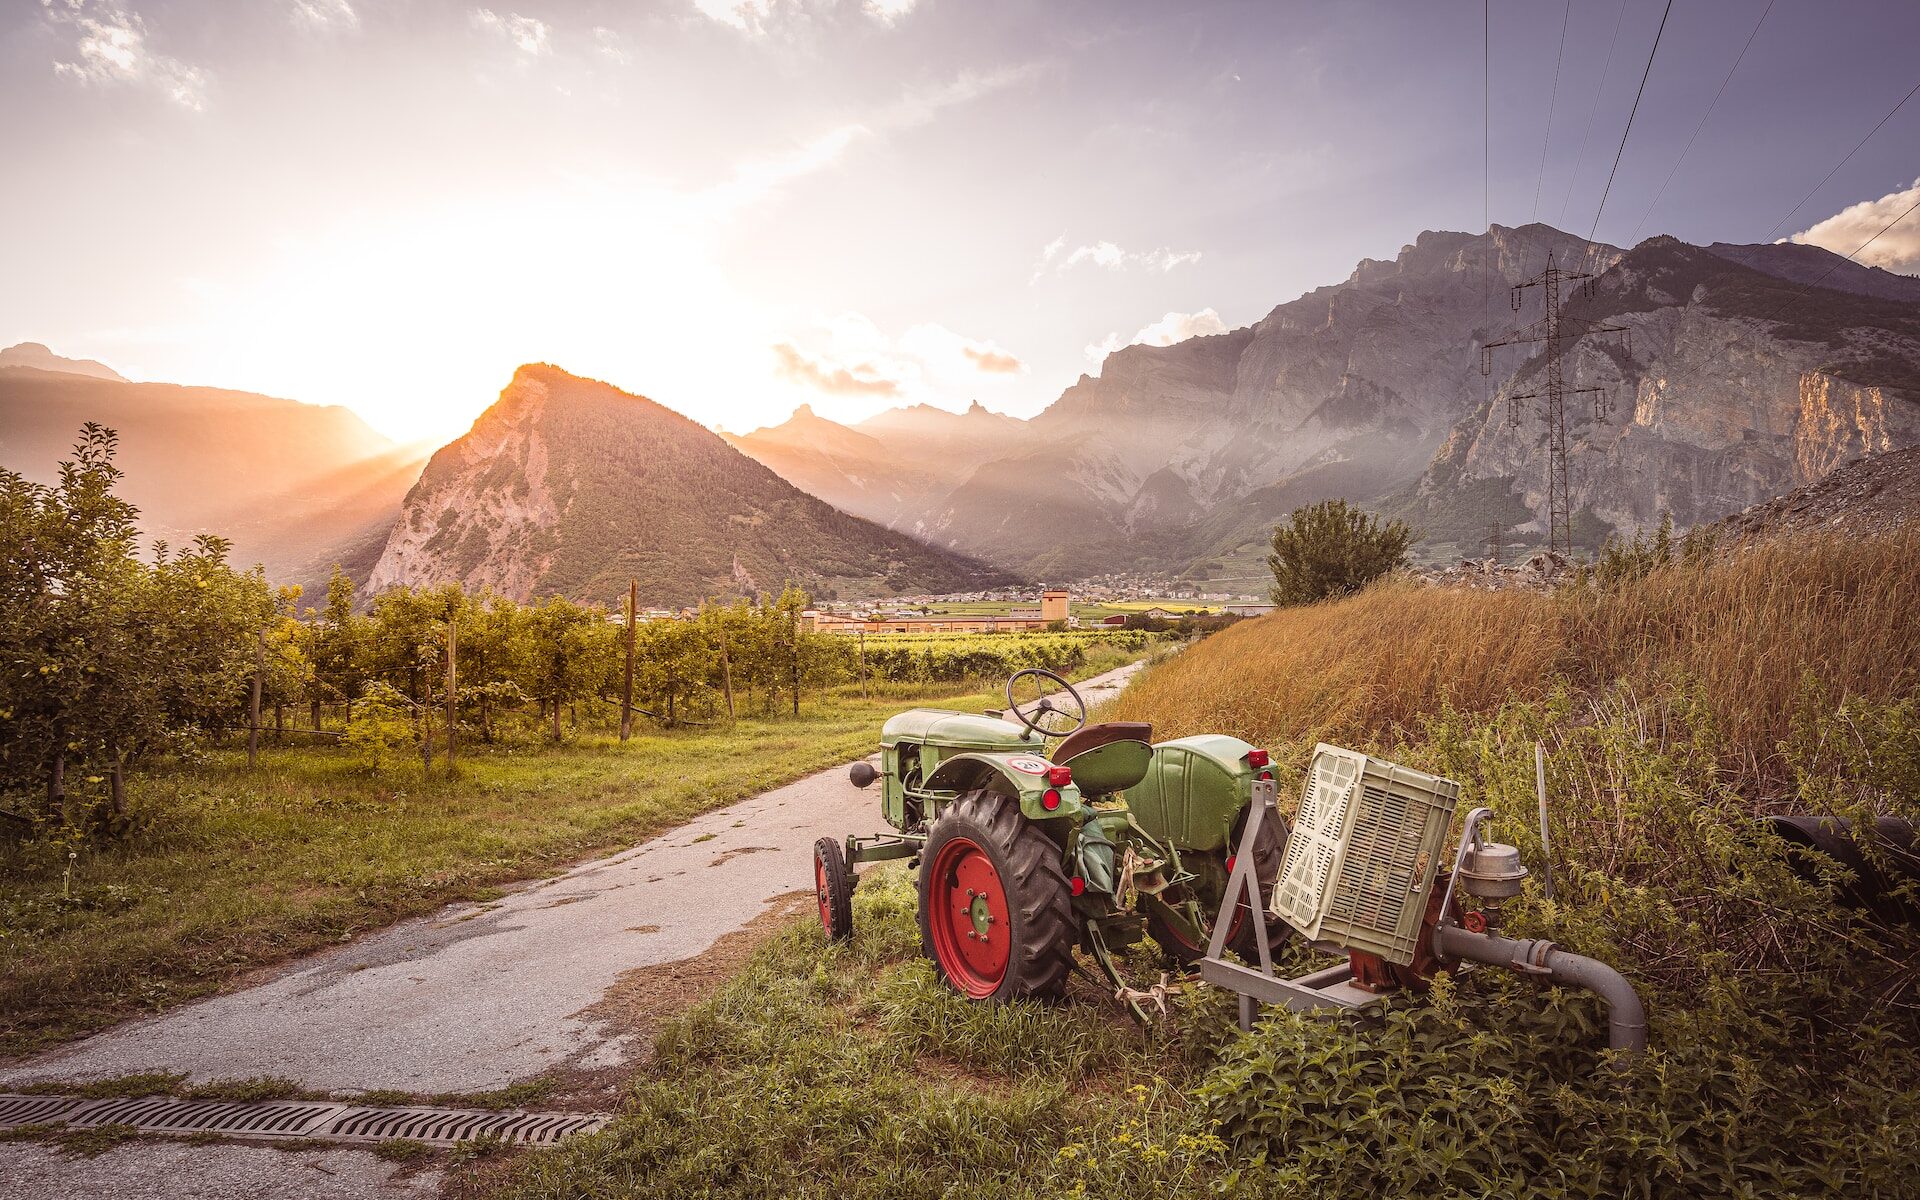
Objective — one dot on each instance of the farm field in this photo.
(1785, 1045)
(230, 869)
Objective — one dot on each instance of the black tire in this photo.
(1038, 903)
(833, 886)
(1268, 853)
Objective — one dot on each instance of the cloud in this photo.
(1898, 249)
(849, 355)
(528, 34)
(325, 15)
(110, 46)
(611, 45)
(757, 17)
(757, 177)
(1172, 328)
(888, 12)
(862, 379)
(1055, 257)
(992, 361)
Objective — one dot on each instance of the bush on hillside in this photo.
(1331, 549)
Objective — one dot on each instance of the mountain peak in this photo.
(40, 358)
(571, 486)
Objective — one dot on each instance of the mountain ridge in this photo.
(1369, 389)
(571, 486)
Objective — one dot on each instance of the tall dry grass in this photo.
(1751, 631)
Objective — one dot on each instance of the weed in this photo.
(524, 1094)
(261, 1087)
(402, 1150)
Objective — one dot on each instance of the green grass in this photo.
(234, 868)
(848, 1071)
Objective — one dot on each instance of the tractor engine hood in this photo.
(944, 727)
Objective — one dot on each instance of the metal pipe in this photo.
(1626, 1016)
(1546, 843)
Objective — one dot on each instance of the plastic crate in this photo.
(1364, 852)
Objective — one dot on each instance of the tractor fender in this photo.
(1021, 776)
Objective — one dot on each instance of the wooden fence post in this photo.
(626, 688)
(863, 664)
(453, 694)
(726, 669)
(253, 707)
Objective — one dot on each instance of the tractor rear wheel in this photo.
(1241, 936)
(833, 886)
(996, 914)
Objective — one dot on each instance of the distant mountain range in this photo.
(1751, 370)
(571, 486)
(1370, 390)
(295, 487)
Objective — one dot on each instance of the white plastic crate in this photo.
(1364, 852)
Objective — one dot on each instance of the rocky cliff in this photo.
(1734, 385)
(570, 486)
(1751, 369)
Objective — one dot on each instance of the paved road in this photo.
(480, 996)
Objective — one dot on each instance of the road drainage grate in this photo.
(16, 1111)
(298, 1119)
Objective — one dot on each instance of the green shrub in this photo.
(381, 722)
(1496, 1088)
(1332, 548)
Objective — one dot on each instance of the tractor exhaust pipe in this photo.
(1626, 1016)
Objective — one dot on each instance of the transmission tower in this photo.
(1551, 330)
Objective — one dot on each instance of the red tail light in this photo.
(1050, 799)
(1059, 776)
(1078, 885)
(1265, 775)
(1258, 758)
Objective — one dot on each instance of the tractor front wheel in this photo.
(833, 886)
(996, 914)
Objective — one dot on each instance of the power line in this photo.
(1631, 113)
(1795, 298)
(1552, 99)
(1836, 167)
(1591, 113)
(1738, 59)
(1486, 159)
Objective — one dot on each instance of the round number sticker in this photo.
(1031, 766)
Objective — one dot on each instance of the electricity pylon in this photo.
(1553, 328)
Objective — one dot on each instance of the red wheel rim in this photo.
(969, 919)
(821, 890)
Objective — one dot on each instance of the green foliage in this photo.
(1332, 548)
(1492, 1087)
(1625, 561)
(381, 722)
(106, 658)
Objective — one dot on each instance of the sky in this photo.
(739, 206)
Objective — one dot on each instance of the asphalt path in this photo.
(479, 996)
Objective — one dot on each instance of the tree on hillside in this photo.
(1332, 548)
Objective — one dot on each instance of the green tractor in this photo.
(1025, 854)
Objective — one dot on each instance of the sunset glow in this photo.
(739, 206)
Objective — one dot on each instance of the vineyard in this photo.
(108, 658)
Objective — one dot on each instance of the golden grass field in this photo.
(1752, 631)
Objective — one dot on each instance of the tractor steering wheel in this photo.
(1041, 714)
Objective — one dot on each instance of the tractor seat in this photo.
(1109, 757)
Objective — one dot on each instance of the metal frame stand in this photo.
(1330, 988)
